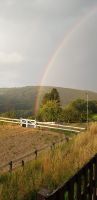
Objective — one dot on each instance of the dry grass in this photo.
(16, 141)
(52, 168)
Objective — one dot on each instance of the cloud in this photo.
(10, 2)
(32, 30)
(8, 58)
(27, 10)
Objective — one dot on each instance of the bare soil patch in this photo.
(16, 141)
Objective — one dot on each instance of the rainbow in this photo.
(68, 36)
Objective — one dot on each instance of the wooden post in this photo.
(53, 146)
(36, 152)
(23, 163)
(10, 166)
(67, 139)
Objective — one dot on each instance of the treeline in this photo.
(17, 114)
(76, 111)
(52, 110)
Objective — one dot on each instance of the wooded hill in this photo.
(24, 98)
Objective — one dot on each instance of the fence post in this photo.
(26, 123)
(36, 152)
(23, 163)
(10, 166)
(53, 146)
(67, 139)
(35, 124)
(20, 121)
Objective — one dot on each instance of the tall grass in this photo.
(51, 169)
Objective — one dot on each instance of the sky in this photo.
(48, 42)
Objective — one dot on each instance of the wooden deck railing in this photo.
(82, 186)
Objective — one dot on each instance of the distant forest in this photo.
(20, 102)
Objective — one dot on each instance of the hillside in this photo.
(24, 98)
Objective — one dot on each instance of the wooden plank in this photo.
(61, 193)
(91, 181)
(71, 190)
(95, 180)
(79, 187)
(85, 189)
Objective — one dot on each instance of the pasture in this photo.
(16, 141)
(52, 168)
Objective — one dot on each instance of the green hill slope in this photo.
(24, 98)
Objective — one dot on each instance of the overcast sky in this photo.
(30, 33)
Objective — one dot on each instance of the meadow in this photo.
(51, 169)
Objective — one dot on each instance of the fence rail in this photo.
(49, 125)
(82, 186)
(21, 161)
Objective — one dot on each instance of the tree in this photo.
(46, 98)
(53, 95)
(50, 111)
(76, 111)
(79, 105)
(71, 114)
(92, 107)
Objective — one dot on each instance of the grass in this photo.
(66, 133)
(51, 169)
(16, 141)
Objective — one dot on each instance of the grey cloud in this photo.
(34, 29)
(29, 10)
(77, 60)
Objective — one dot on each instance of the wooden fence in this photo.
(82, 186)
(21, 161)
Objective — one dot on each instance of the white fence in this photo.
(48, 125)
(10, 120)
(28, 123)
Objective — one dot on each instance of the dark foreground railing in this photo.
(82, 186)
